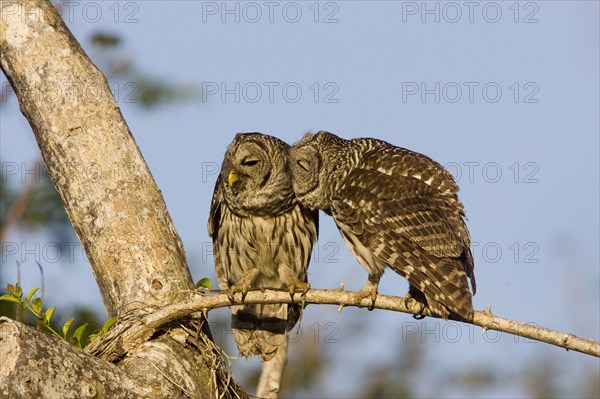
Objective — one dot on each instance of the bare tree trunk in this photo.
(108, 191)
(111, 198)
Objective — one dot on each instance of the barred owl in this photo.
(262, 238)
(394, 208)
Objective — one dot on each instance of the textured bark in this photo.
(37, 365)
(115, 207)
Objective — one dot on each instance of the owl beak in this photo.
(232, 178)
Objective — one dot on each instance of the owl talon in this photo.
(298, 285)
(243, 285)
(231, 297)
(414, 295)
(368, 291)
(372, 306)
(293, 283)
(234, 290)
(304, 287)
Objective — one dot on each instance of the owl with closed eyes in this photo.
(262, 238)
(394, 208)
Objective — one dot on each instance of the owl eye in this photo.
(303, 163)
(250, 161)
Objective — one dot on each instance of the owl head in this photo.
(317, 164)
(255, 178)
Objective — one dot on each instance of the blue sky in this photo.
(505, 96)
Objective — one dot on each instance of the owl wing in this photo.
(214, 223)
(403, 207)
(214, 217)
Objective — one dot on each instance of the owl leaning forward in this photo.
(262, 238)
(394, 208)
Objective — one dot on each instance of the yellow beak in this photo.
(232, 178)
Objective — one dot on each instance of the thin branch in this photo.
(341, 298)
(272, 374)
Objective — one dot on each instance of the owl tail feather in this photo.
(443, 282)
(260, 329)
(455, 296)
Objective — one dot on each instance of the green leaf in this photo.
(109, 323)
(36, 304)
(10, 298)
(204, 283)
(105, 40)
(78, 335)
(18, 293)
(67, 327)
(48, 315)
(30, 294)
(10, 288)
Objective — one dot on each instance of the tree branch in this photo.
(486, 319)
(272, 374)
